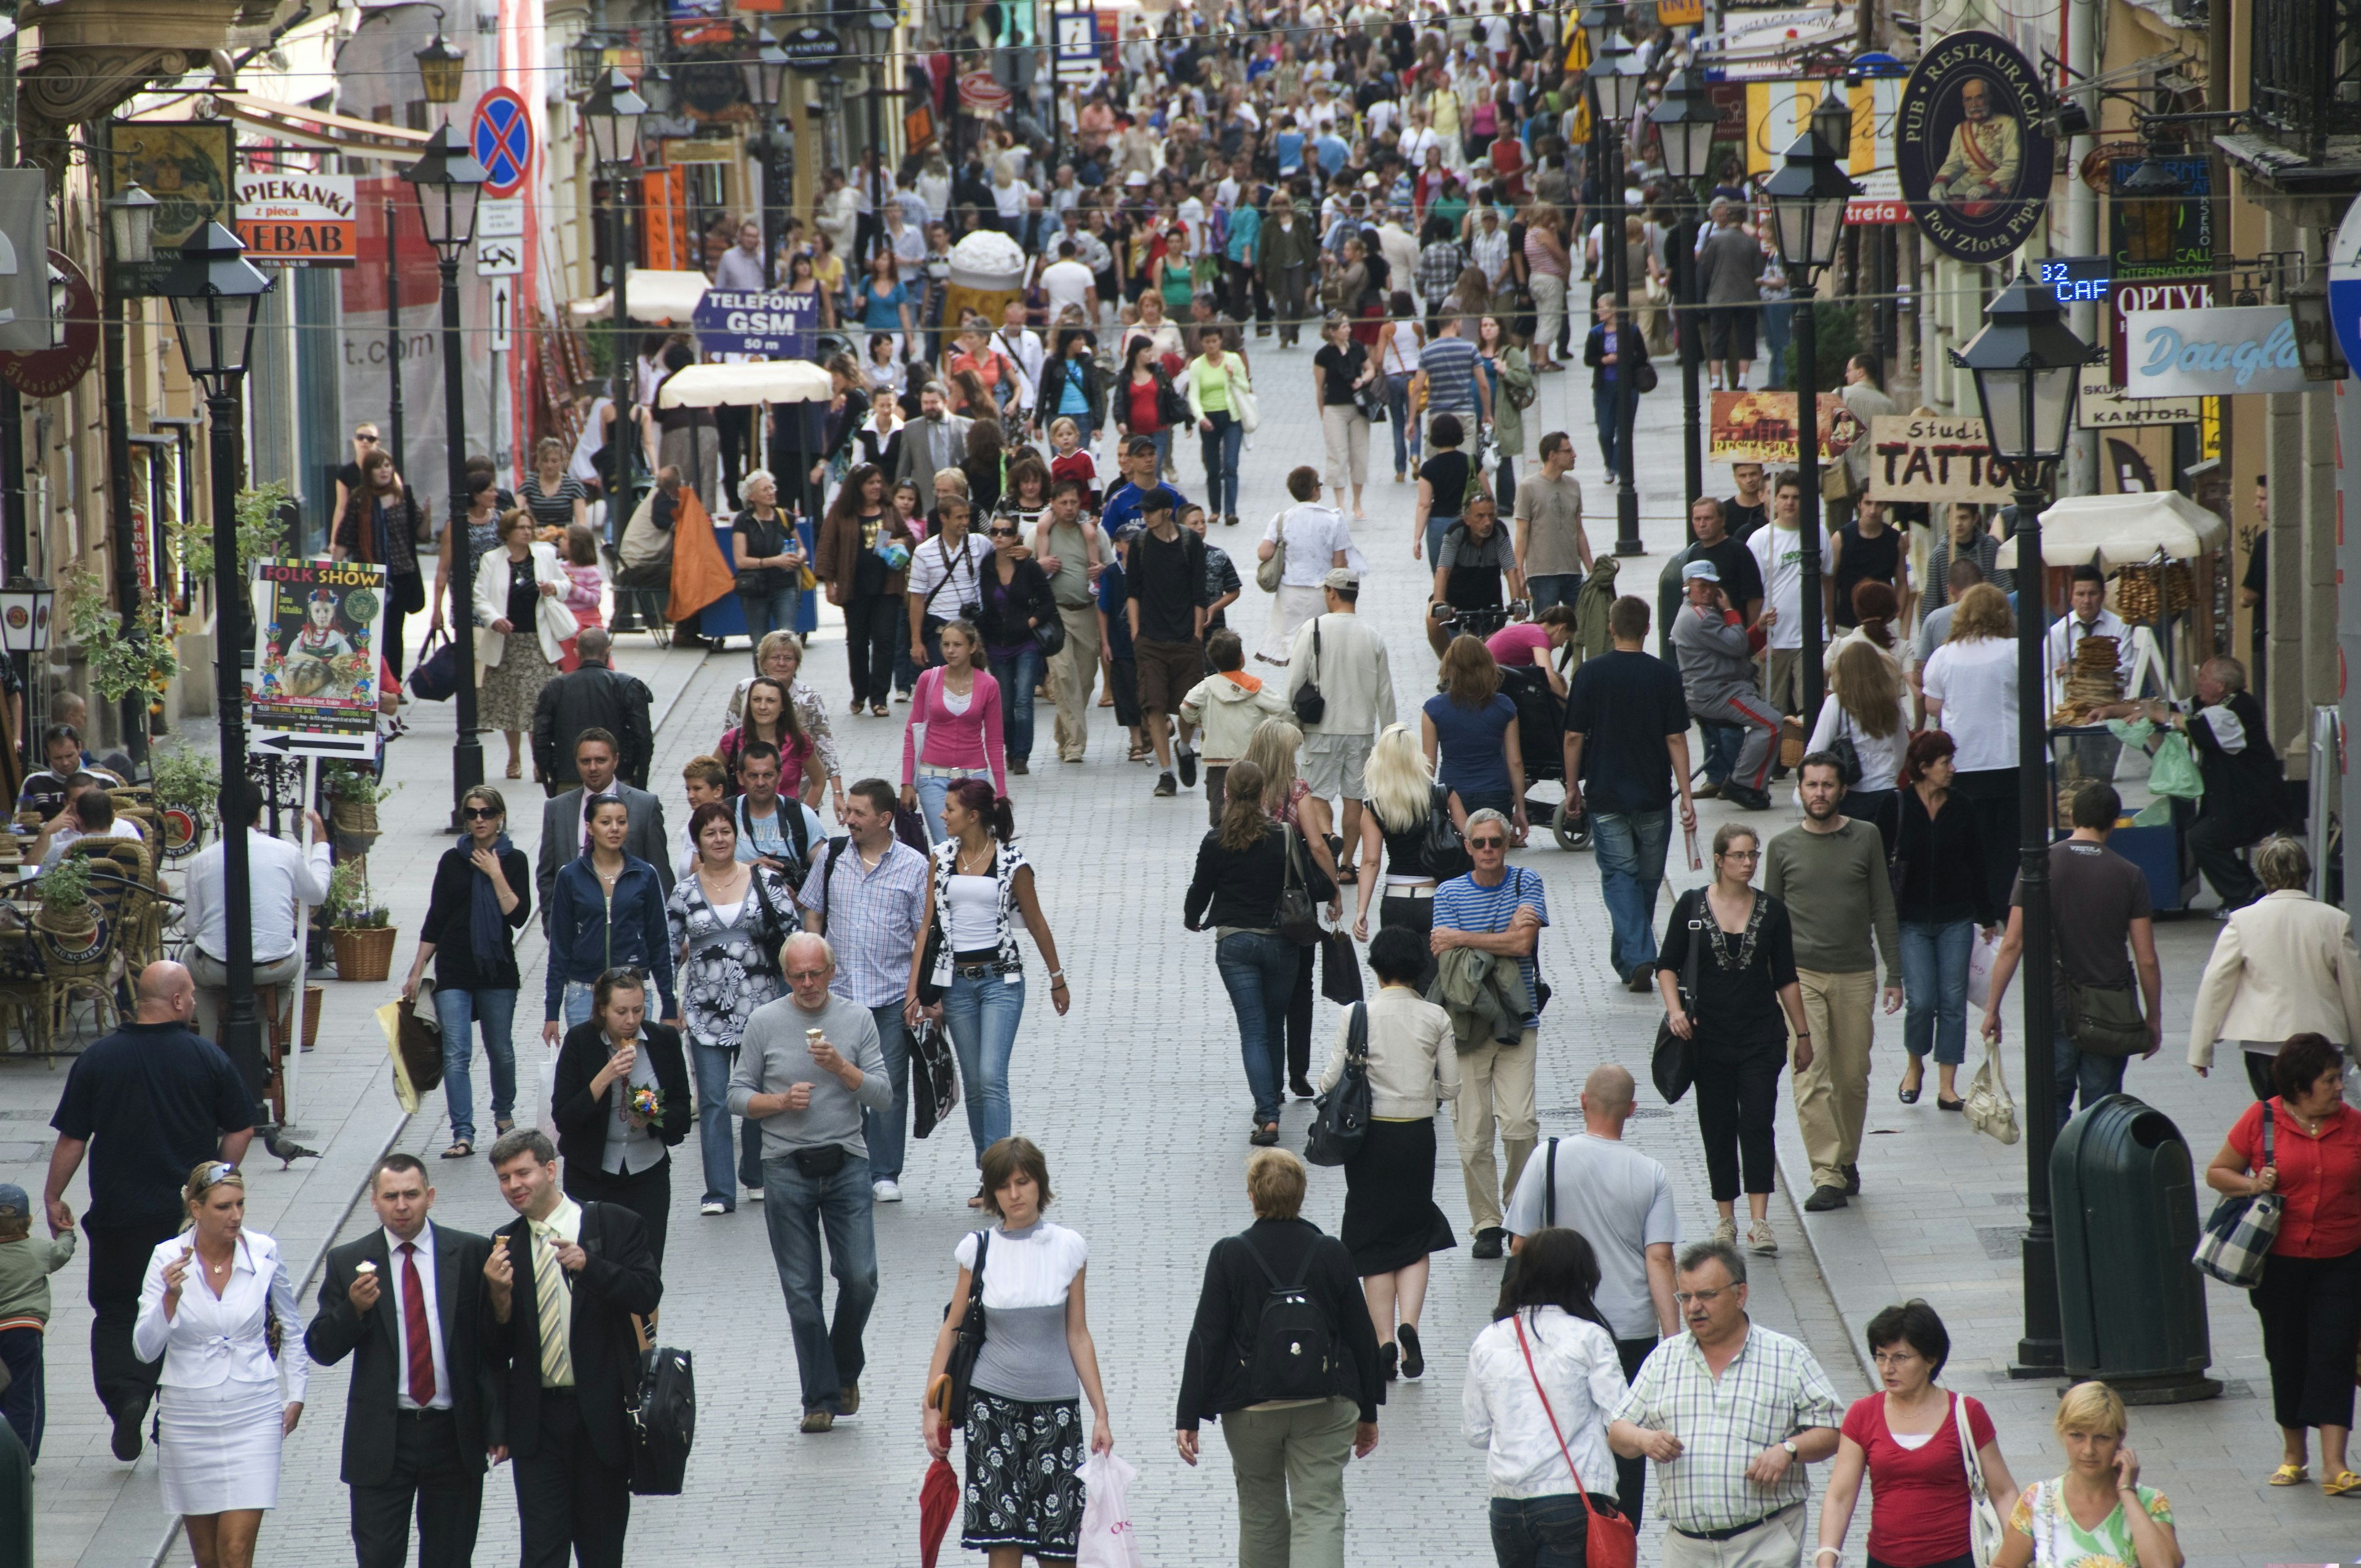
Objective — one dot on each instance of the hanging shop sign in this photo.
(813, 49)
(1759, 45)
(2213, 353)
(26, 320)
(1078, 49)
(1973, 159)
(320, 623)
(2103, 406)
(297, 219)
(1777, 113)
(190, 167)
(777, 325)
(979, 92)
(2191, 253)
(1760, 427)
(1916, 457)
(2190, 294)
(52, 372)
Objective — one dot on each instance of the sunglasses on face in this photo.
(1488, 843)
(479, 813)
(1001, 532)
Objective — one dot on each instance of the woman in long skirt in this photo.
(1391, 1221)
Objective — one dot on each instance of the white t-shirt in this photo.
(1314, 534)
(1067, 283)
(1622, 1201)
(1976, 683)
(1784, 579)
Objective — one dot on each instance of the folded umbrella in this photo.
(938, 1500)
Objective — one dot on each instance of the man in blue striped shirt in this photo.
(1501, 909)
(1452, 385)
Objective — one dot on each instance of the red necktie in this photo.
(414, 1330)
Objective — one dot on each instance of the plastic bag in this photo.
(2174, 770)
(1108, 1540)
(1979, 967)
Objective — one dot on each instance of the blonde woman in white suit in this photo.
(219, 1311)
(521, 628)
(2284, 965)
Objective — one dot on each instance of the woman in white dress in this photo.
(218, 1308)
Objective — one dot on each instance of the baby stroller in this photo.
(1540, 735)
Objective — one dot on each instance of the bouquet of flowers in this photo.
(646, 1103)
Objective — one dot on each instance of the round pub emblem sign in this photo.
(1969, 149)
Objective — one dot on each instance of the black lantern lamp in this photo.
(586, 63)
(1807, 204)
(448, 182)
(215, 292)
(1832, 119)
(2028, 365)
(441, 65)
(1615, 77)
(656, 87)
(1684, 123)
(765, 72)
(612, 113)
(1600, 21)
(2151, 210)
(131, 226)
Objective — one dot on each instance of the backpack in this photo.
(1445, 855)
(663, 1421)
(1294, 1351)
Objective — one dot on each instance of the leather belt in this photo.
(1733, 1531)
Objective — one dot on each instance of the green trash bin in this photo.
(2124, 1198)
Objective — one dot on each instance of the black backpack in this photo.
(1294, 1351)
(664, 1422)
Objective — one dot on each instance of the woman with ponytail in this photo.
(482, 896)
(981, 886)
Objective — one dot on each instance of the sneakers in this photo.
(712, 1206)
(1165, 787)
(753, 1195)
(819, 1421)
(1760, 1238)
(885, 1191)
(1187, 757)
(848, 1400)
(1706, 791)
(1824, 1199)
(1490, 1242)
(1725, 1231)
(1413, 1356)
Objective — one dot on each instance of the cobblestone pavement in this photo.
(1138, 1097)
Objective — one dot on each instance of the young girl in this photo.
(1073, 462)
(587, 584)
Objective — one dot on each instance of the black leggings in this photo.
(1299, 1021)
(1737, 1102)
(2311, 1308)
(1991, 794)
(873, 625)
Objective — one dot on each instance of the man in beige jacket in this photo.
(2285, 964)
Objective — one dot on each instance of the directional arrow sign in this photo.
(315, 744)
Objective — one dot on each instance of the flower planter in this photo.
(314, 995)
(363, 953)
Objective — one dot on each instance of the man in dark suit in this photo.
(595, 696)
(565, 1281)
(421, 1413)
(595, 755)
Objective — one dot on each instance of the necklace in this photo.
(964, 858)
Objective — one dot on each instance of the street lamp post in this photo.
(1616, 85)
(1684, 123)
(1808, 206)
(612, 114)
(130, 242)
(448, 182)
(765, 72)
(215, 292)
(2026, 363)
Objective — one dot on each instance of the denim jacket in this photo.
(586, 936)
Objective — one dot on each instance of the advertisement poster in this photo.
(1915, 457)
(190, 167)
(1760, 427)
(1973, 161)
(319, 623)
(2192, 220)
(298, 218)
(776, 325)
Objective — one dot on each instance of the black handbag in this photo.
(1310, 707)
(1643, 378)
(437, 675)
(1671, 1065)
(1340, 969)
(664, 1421)
(1340, 1117)
(1444, 851)
(1370, 399)
(1049, 636)
(934, 1079)
(1296, 917)
(967, 1343)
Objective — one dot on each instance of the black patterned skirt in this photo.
(1024, 1480)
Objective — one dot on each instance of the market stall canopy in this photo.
(652, 297)
(2124, 530)
(734, 385)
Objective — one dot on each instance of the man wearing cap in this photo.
(1340, 653)
(1718, 673)
(154, 1099)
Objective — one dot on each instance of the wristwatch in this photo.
(1789, 1445)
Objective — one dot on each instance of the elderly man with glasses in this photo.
(1500, 910)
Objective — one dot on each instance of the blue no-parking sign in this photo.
(500, 135)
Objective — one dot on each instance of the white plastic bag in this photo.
(1108, 1540)
(543, 1111)
(1980, 967)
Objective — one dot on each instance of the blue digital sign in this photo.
(2079, 279)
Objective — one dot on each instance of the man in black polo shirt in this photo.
(1626, 744)
(1165, 578)
(154, 1099)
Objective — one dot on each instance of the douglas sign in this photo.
(2212, 352)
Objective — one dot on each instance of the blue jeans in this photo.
(1163, 439)
(1221, 446)
(1259, 973)
(1552, 589)
(1602, 410)
(25, 1403)
(1437, 527)
(1935, 980)
(795, 1209)
(767, 613)
(1777, 316)
(575, 1005)
(1018, 673)
(982, 1016)
(885, 1132)
(1631, 849)
(495, 1012)
(712, 1064)
(1406, 430)
(1548, 1531)
(2095, 1075)
(932, 789)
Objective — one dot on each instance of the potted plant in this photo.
(67, 912)
(188, 791)
(360, 928)
(353, 793)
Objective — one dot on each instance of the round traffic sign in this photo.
(500, 135)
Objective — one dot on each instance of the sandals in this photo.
(2345, 1484)
(503, 1125)
(2294, 1476)
(878, 711)
(1264, 1134)
(460, 1149)
(516, 770)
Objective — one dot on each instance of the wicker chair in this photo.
(125, 885)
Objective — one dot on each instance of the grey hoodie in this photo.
(1714, 653)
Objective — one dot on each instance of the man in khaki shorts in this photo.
(1164, 579)
(1338, 651)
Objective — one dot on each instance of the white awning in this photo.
(763, 381)
(299, 124)
(2124, 530)
(652, 297)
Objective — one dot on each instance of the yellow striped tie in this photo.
(556, 1356)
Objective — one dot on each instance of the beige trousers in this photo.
(1290, 1467)
(1072, 673)
(1347, 435)
(1496, 1085)
(1832, 1094)
(1774, 1543)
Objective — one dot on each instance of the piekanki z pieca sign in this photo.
(297, 218)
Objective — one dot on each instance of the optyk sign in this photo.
(2212, 352)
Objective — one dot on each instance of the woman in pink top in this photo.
(957, 705)
(1532, 642)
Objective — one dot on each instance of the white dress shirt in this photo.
(389, 1292)
(210, 1339)
(278, 872)
(2058, 650)
(566, 1221)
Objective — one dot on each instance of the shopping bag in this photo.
(1107, 1540)
(2173, 770)
(1980, 966)
(544, 1113)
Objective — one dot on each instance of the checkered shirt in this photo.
(873, 920)
(1771, 1391)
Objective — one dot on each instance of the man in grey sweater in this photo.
(809, 1065)
(1718, 675)
(1831, 874)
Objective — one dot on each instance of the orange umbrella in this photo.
(938, 1500)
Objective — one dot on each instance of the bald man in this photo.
(1622, 1202)
(809, 1065)
(155, 1099)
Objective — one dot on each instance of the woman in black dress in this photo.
(616, 1143)
(1745, 978)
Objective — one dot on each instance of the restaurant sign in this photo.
(295, 218)
(1760, 427)
(2213, 352)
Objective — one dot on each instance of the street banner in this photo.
(2213, 352)
(1918, 457)
(296, 219)
(1973, 161)
(1760, 427)
(1778, 112)
(777, 325)
(320, 623)
(25, 321)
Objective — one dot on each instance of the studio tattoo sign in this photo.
(1969, 149)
